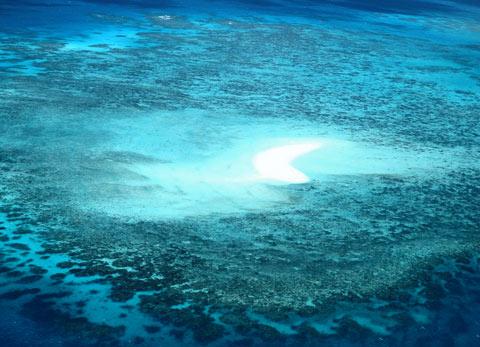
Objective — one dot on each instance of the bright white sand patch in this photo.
(276, 163)
(228, 165)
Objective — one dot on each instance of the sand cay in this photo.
(276, 163)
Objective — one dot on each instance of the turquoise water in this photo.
(141, 204)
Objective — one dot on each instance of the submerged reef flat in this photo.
(134, 209)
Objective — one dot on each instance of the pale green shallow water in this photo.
(132, 211)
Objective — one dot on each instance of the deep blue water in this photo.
(141, 205)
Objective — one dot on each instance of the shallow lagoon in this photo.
(133, 211)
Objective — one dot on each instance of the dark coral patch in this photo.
(15, 294)
(19, 246)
